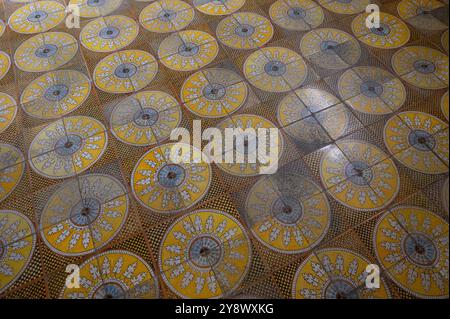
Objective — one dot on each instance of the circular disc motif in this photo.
(296, 15)
(392, 33)
(12, 167)
(275, 69)
(46, 52)
(205, 254)
(107, 34)
(214, 93)
(165, 16)
(419, 13)
(423, 67)
(245, 30)
(68, 147)
(246, 144)
(36, 17)
(17, 244)
(8, 111)
(125, 71)
(5, 64)
(55, 94)
(84, 214)
(335, 274)
(372, 90)
(444, 105)
(330, 48)
(416, 139)
(145, 118)
(345, 6)
(95, 8)
(166, 187)
(115, 274)
(359, 175)
(188, 50)
(411, 243)
(289, 214)
(218, 7)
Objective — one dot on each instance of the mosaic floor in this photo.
(86, 113)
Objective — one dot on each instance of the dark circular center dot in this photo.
(419, 249)
(68, 144)
(171, 175)
(287, 210)
(205, 251)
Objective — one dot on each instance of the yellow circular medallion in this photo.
(8, 111)
(36, 17)
(419, 141)
(330, 48)
(335, 274)
(188, 50)
(17, 244)
(444, 105)
(205, 254)
(275, 69)
(94, 8)
(345, 6)
(166, 16)
(421, 14)
(392, 32)
(444, 40)
(125, 71)
(372, 90)
(145, 118)
(411, 243)
(68, 147)
(218, 7)
(108, 34)
(5, 64)
(46, 52)
(164, 186)
(296, 15)
(55, 94)
(84, 214)
(245, 30)
(287, 213)
(12, 167)
(214, 93)
(115, 274)
(359, 175)
(423, 67)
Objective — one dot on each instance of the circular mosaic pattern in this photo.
(37, 17)
(145, 118)
(392, 32)
(444, 105)
(295, 115)
(95, 8)
(214, 93)
(411, 243)
(166, 16)
(419, 141)
(55, 94)
(46, 52)
(188, 50)
(68, 147)
(359, 175)
(8, 111)
(248, 144)
(84, 214)
(330, 48)
(296, 15)
(5, 64)
(12, 167)
(372, 90)
(335, 274)
(245, 30)
(275, 69)
(125, 71)
(419, 13)
(164, 186)
(345, 6)
(17, 244)
(423, 67)
(218, 7)
(107, 34)
(287, 213)
(205, 254)
(115, 274)
(444, 40)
